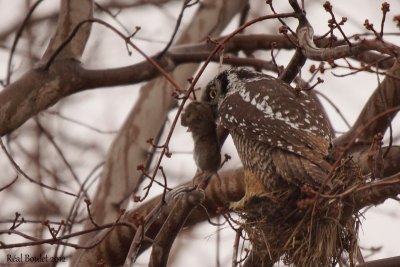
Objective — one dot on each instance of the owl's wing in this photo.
(295, 169)
(269, 111)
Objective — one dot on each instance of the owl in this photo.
(281, 135)
(199, 119)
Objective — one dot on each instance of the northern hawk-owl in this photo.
(281, 135)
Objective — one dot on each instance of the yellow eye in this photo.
(213, 94)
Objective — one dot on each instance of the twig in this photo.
(319, 80)
(218, 243)
(53, 232)
(389, 88)
(30, 221)
(17, 38)
(165, 182)
(114, 16)
(59, 239)
(61, 116)
(17, 223)
(158, 213)
(369, 26)
(75, 205)
(88, 203)
(335, 108)
(269, 2)
(59, 151)
(126, 39)
(385, 9)
(20, 171)
(328, 8)
(236, 247)
(279, 70)
(186, 4)
(9, 184)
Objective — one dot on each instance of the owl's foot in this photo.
(238, 205)
(254, 191)
(248, 201)
(242, 205)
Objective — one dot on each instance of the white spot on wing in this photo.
(245, 94)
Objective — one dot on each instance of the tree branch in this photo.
(376, 192)
(71, 14)
(178, 215)
(217, 195)
(360, 155)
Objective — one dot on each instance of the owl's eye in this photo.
(212, 94)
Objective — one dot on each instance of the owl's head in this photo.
(226, 83)
(216, 90)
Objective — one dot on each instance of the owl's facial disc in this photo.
(211, 95)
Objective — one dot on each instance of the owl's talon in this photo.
(238, 205)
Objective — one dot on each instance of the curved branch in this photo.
(71, 14)
(179, 213)
(217, 195)
(360, 155)
(376, 192)
(311, 51)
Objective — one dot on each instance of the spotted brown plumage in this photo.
(198, 117)
(280, 135)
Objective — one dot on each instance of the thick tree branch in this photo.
(178, 215)
(298, 60)
(217, 195)
(33, 92)
(37, 90)
(361, 157)
(311, 51)
(376, 192)
(71, 14)
(68, 77)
